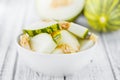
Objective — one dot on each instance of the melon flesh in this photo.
(74, 28)
(58, 51)
(39, 25)
(59, 9)
(86, 44)
(43, 43)
(78, 30)
(68, 42)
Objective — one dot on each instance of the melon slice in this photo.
(59, 9)
(68, 42)
(41, 27)
(87, 43)
(74, 28)
(58, 51)
(43, 43)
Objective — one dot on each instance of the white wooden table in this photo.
(15, 14)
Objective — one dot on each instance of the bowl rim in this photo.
(76, 53)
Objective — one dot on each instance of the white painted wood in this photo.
(13, 23)
(8, 66)
(112, 47)
(3, 36)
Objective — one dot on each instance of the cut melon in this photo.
(74, 28)
(59, 9)
(41, 27)
(68, 42)
(43, 43)
(58, 51)
(87, 43)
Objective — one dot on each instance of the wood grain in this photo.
(112, 47)
(11, 28)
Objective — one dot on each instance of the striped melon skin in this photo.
(56, 36)
(49, 29)
(78, 30)
(103, 15)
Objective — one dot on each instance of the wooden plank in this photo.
(9, 64)
(2, 14)
(3, 10)
(25, 73)
(112, 47)
(14, 20)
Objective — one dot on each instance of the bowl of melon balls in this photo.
(56, 47)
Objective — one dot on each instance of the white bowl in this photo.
(56, 64)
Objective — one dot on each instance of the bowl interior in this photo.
(83, 51)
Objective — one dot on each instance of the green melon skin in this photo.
(103, 15)
(78, 30)
(50, 29)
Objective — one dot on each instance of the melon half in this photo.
(59, 9)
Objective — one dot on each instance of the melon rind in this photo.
(47, 29)
(78, 30)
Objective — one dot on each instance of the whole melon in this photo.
(103, 15)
